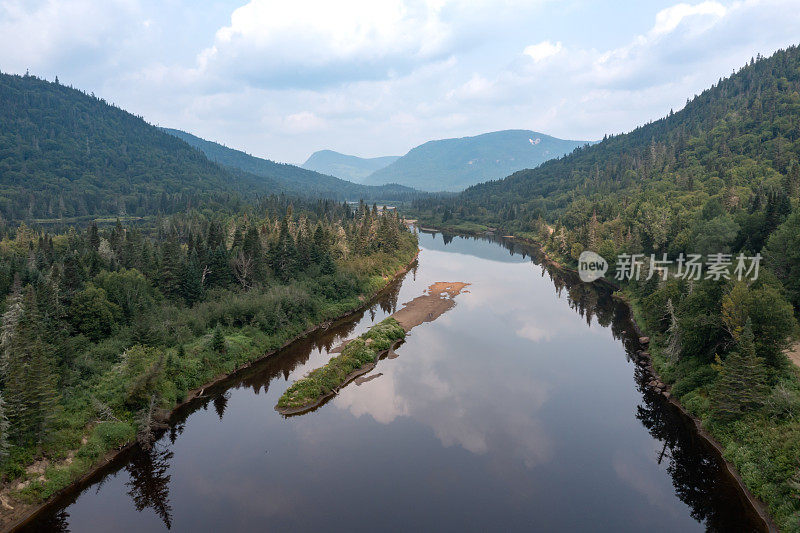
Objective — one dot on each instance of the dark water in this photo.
(519, 409)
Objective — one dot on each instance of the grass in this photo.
(356, 354)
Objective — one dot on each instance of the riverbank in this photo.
(15, 512)
(645, 361)
(360, 355)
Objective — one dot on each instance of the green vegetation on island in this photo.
(357, 354)
(722, 176)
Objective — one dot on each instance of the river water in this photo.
(519, 409)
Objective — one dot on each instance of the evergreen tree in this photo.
(171, 268)
(29, 376)
(218, 341)
(741, 385)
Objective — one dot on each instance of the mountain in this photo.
(736, 145)
(454, 164)
(294, 178)
(345, 166)
(64, 154)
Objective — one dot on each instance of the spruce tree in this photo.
(741, 385)
(218, 341)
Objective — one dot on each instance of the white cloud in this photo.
(543, 50)
(69, 35)
(312, 42)
(667, 20)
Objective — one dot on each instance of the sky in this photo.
(282, 79)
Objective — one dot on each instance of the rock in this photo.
(667, 395)
(644, 340)
(646, 355)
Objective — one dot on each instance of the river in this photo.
(519, 409)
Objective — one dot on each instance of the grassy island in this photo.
(358, 355)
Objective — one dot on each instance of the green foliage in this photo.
(357, 353)
(782, 255)
(218, 341)
(92, 314)
(129, 289)
(741, 386)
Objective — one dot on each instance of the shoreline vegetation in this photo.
(649, 356)
(360, 355)
(103, 416)
(718, 182)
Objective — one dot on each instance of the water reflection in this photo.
(516, 409)
(148, 484)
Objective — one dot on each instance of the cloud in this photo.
(314, 43)
(667, 20)
(543, 50)
(70, 35)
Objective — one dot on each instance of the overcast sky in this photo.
(281, 79)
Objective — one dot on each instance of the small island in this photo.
(357, 357)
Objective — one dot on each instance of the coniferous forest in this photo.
(721, 176)
(106, 328)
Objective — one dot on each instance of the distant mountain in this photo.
(348, 167)
(294, 178)
(455, 164)
(66, 154)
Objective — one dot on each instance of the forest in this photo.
(720, 176)
(67, 156)
(105, 328)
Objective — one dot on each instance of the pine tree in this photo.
(741, 385)
(218, 341)
(28, 373)
(171, 268)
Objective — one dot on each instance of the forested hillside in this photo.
(104, 328)
(454, 164)
(721, 176)
(66, 154)
(736, 144)
(295, 179)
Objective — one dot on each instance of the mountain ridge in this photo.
(348, 167)
(456, 163)
(293, 177)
